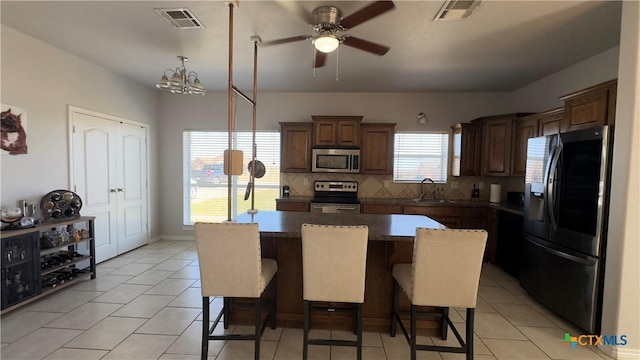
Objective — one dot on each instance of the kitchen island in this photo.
(390, 242)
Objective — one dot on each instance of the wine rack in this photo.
(35, 265)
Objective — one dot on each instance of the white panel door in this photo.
(95, 178)
(110, 174)
(132, 187)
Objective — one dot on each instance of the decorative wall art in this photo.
(14, 130)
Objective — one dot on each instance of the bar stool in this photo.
(445, 272)
(334, 262)
(231, 266)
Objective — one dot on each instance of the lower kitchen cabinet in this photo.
(509, 242)
(44, 259)
(448, 216)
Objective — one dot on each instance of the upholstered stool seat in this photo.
(334, 262)
(231, 266)
(445, 272)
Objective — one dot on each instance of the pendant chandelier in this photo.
(181, 81)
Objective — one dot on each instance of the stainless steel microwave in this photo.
(335, 160)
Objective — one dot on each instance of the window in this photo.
(205, 184)
(419, 155)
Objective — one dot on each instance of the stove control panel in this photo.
(336, 186)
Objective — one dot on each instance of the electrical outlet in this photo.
(305, 181)
(481, 185)
(386, 183)
(455, 184)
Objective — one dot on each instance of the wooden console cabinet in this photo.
(25, 275)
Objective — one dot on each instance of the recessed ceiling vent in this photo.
(181, 18)
(457, 9)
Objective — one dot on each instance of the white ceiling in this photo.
(504, 45)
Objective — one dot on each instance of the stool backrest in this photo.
(334, 260)
(230, 259)
(446, 267)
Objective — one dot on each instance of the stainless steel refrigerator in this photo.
(565, 223)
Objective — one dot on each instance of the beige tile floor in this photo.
(146, 304)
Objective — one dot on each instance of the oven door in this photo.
(322, 208)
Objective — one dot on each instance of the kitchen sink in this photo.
(431, 201)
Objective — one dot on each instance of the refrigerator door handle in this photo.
(550, 201)
(562, 254)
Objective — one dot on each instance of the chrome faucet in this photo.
(422, 190)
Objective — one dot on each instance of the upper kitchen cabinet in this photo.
(497, 143)
(591, 107)
(336, 131)
(545, 123)
(295, 142)
(550, 122)
(467, 149)
(376, 148)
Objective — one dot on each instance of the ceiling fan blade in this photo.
(320, 59)
(365, 45)
(366, 13)
(285, 40)
(296, 8)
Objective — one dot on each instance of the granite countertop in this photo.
(283, 224)
(503, 206)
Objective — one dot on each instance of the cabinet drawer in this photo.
(293, 206)
(474, 212)
(381, 209)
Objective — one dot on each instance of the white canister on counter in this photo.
(495, 193)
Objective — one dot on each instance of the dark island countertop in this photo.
(381, 227)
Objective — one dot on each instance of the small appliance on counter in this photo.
(286, 191)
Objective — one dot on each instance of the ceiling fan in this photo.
(327, 22)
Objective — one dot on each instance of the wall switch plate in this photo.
(481, 185)
(386, 183)
(305, 181)
(454, 184)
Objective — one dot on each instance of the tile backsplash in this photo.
(373, 186)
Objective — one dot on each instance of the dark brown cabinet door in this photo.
(497, 137)
(376, 149)
(295, 144)
(339, 131)
(525, 129)
(467, 149)
(303, 206)
(550, 122)
(381, 209)
(591, 107)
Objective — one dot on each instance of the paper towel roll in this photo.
(494, 195)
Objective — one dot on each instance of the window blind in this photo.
(419, 155)
(205, 185)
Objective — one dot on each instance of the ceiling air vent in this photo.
(457, 9)
(181, 18)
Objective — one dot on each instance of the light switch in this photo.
(386, 183)
(306, 181)
(454, 184)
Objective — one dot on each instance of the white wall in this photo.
(43, 81)
(621, 310)
(543, 95)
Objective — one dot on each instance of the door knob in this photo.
(120, 190)
(113, 190)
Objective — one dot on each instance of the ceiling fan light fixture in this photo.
(326, 43)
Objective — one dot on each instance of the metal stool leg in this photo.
(469, 333)
(205, 328)
(305, 341)
(394, 309)
(258, 331)
(359, 330)
(414, 336)
(445, 324)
